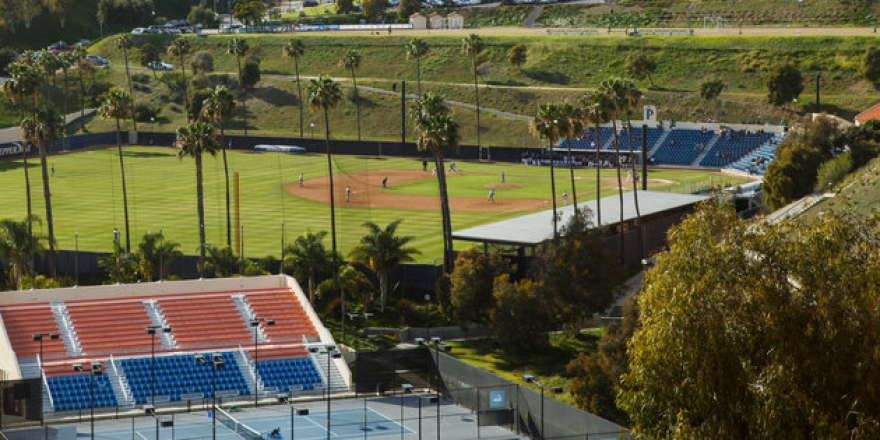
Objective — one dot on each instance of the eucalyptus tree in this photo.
(473, 45)
(43, 129)
(123, 43)
(437, 132)
(325, 94)
(351, 61)
(218, 108)
(295, 49)
(417, 48)
(239, 47)
(116, 104)
(545, 125)
(195, 140)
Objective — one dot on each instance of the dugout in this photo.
(524, 234)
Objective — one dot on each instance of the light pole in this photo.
(215, 362)
(151, 330)
(39, 337)
(96, 370)
(76, 258)
(330, 349)
(116, 249)
(529, 378)
(312, 130)
(255, 324)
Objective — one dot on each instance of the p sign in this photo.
(650, 113)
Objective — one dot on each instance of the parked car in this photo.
(139, 31)
(160, 65)
(99, 61)
(154, 29)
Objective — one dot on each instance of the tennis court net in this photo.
(244, 431)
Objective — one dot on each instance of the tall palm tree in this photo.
(156, 254)
(546, 126)
(381, 250)
(351, 61)
(239, 47)
(596, 110)
(473, 45)
(123, 43)
(50, 63)
(632, 98)
(437, 132)
(306, 257)
(79, 60)
(67, 60)
(196, 140)
(324, 94)
(25, 81)
(43, 130)
(615, 89)
(17, 245)
(116, 104)
(180, 47)
(570, 125)
(295, 49)
(417, 48)
(218, 108)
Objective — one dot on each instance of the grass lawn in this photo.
(87, 197)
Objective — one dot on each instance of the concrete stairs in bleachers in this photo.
(120, 385)
(332, 376)
(65, 325)
(660, 140)
(157, 319)
(247, 369)
(706, 150)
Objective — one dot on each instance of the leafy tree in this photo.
(123, 42)
(155, 255)
(784, 84)
(597, 109)
(43, 129)
(578, 272)
(863, 142)
(221, 261)
(546, 126)
(791, 175)
(202, 15)
(517, 55)
(381, 250)
(373, 9)
(472, 285)
(295, 49)
(18, 244)
(180, 47)
(239, 47)
(120, 266)
(344, 6)
(148, 54)
(833, 171)
(202, 62)
(351, 61)
(710, 90)
(472, 45)
(758, 330)
(307, 257)
(406, 8)
(437, 132)
(325, 94)
(870, 68)
(250, 75)
(520, 316)
(117, 104)
(196, 106)
(196, 140)
(417, 48)
(124, 14)
(218, 108)
(596, 376)
(640, 65)
(250, 12)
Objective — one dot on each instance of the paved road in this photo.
(13, 134)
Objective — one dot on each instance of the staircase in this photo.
(121, 389)
(706, 150)
(65, 325)
(332, 377)
(158, 319)
(248, 369)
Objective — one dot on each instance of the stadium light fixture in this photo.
(39, 337)
(215, 362)
(96, 369)
(255, 324)
(152, 330)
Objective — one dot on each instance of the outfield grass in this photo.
(87, 199)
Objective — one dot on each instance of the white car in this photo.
(160, 65)
(96, 60)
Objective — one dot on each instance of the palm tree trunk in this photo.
(299, 93)
(185, 96)
(419, 75)
(636, 187)
(574, 193)
(332, 195)
(82, 97)
(27, 185)
(200, 206)
(477, 95)
(130, 90)
(357, 102)
(226, 175)
(622, 247)
(243, 94)
(66, 83)
(312, 286)
(383, 287)
(444, 214)
(553, 194)
(124, 192)
(598, 178)
(47, 196)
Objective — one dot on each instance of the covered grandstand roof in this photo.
(533, 229)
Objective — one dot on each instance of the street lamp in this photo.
(151, 330)
(255, 323)
(215, 362)
(312, 130)
(39, 337)
(528, 378)
(96, 369)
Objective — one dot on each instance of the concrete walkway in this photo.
(13, 134)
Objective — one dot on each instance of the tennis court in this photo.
(404, 416)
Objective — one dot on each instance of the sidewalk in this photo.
(13, 134)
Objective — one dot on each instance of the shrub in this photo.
(140, 78)
(144, 110)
